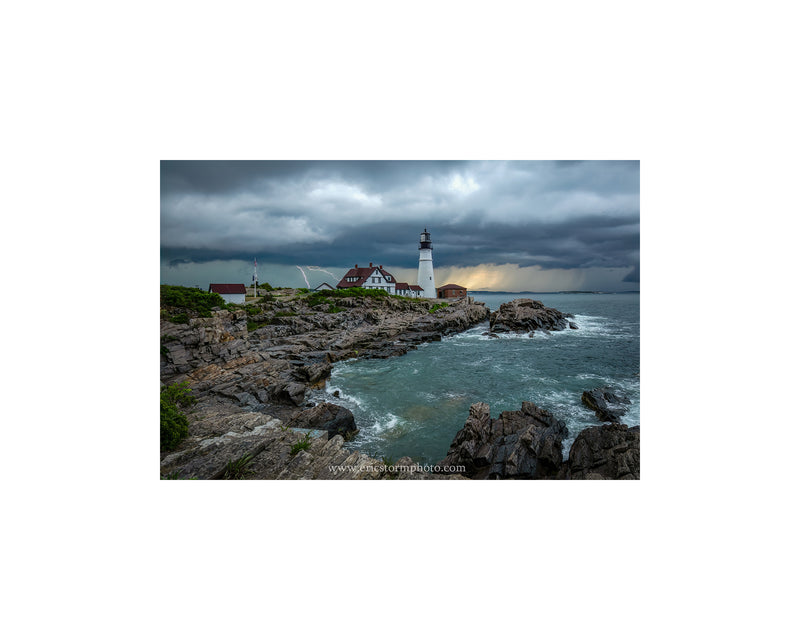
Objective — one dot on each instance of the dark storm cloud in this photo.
(552, 214)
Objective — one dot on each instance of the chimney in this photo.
(356, 266)
(381, 267)
(370, 264)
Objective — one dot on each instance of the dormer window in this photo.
(388, 278)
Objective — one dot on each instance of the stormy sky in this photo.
(515, 226)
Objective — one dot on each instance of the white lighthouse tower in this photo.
(425, 273)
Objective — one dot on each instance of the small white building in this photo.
(231, 293)
(410, 291)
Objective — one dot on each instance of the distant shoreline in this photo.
(540, 293)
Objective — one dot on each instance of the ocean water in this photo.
(414, 404)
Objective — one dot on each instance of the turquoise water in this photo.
(414, 404)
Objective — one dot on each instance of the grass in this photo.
(437, 307)
(303, 445)
(238, 469)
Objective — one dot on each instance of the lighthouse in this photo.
(425, 273)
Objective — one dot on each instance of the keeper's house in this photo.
(451, 291)
(373, 277)
(232, 293)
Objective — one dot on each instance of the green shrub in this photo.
(436, 307)
(332, 308)
(197, 300)
(320, 297)
(174, 424)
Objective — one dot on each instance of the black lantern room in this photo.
(425, 240)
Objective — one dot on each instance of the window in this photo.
(388, 278)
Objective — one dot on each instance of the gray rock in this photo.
(525, 315)
(517, 444)
(328, 417)
(607, 404)
(604, 452)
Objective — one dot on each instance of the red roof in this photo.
(416, 287)
(362, 273)
(451, 286)
(401, 286)
(227, 288)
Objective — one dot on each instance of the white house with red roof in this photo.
(373, 277)
(369, 278)
(232, 293)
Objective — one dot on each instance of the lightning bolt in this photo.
(304, 276)
(320, 269)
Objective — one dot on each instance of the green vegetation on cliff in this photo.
(190, 299)
(174, 424)
(321, 297)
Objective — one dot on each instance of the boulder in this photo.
(525, 315)
(328, 417)
(292, 392)
(517, 444)
(604, 452)
(607, 404)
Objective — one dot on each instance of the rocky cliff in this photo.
(251, 366)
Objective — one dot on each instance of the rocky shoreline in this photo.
(250, 369)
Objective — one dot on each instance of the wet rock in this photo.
(517, 444)
(608, 405)
(328, 417)
(525, 315)
(604, 452)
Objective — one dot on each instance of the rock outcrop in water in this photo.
(527, 444)
(516, 444)
(605, 452)
(525, 315)
(607, 404)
